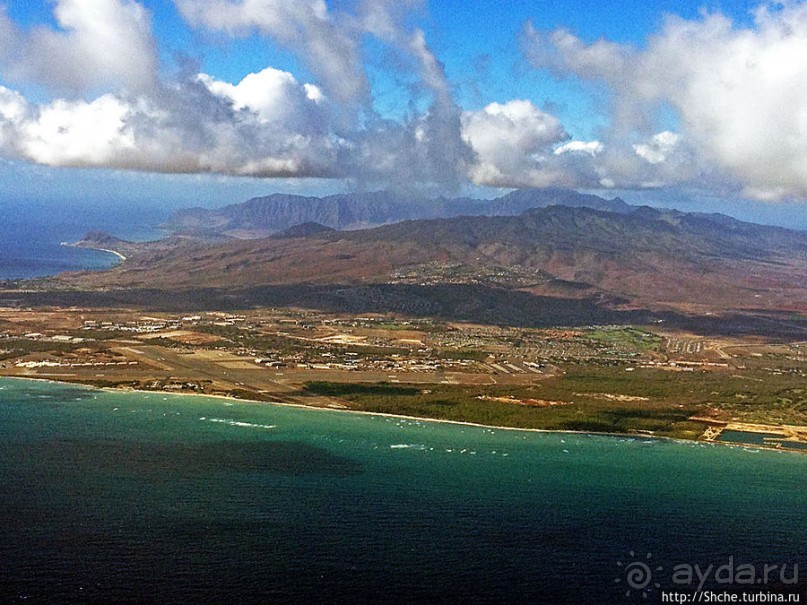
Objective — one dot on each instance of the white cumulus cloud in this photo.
(99, 43)
(188, 127)
(739, 95)
(328, 45)
(425, 148)
(658, 149)
(591, 148)
(76, 133)
(275, 97)
(512, 142)
(112, 109)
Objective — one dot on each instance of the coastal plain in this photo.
(640, 380)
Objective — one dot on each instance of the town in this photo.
(610, 378)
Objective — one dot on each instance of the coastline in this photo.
(110, 251)
(744, 446)
(115, 252)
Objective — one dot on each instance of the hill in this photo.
(645, 258)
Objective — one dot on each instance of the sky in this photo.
(698, 105)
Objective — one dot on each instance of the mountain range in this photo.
(629, 257)
(263, 216)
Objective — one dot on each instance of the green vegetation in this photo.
(463, 354)
(285, 345)
(592, 398)
(370, 351)
(395, 327)
(17, 347)
(231, 335)
(759, 396)
(476, 404)
(628, 337)
(786, 406)
(98, 334)
(342, 389)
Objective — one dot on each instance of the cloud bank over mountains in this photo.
(705, 103)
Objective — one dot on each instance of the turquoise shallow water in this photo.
(148, 497)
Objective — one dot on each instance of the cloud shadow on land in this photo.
(470, 303)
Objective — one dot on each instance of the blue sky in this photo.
(181, 102)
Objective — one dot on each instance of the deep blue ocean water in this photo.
(133, 497)
(31, 234)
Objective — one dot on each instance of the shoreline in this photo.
(110, 251)
(115, 252)
(745, 446)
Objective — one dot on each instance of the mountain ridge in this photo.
(646, 258)
(262, 216)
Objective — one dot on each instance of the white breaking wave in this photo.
(238, 423)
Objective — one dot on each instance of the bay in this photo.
(32, 233)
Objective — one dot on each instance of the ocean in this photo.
(31, 234)
(148, 497)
